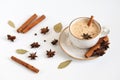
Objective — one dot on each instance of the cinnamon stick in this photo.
(34, 23)
(30, 67)
(90, 21)
(91, 50)
(23, 26)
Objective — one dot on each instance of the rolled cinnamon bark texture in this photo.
(26, 23)
(101, 45)
(34, 23)
(30, 67)
(30, 23)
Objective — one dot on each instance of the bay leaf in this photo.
(21, 51)
(10, 23)
(64, 64)
(58, 27)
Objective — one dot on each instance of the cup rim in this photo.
(86, 18)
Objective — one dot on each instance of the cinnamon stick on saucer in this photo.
(90, 21)
(91, 50)
(23, 26)
(33, 23)
(30, 67)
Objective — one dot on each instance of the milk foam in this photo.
(79, 26)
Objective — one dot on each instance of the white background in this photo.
(106, 12)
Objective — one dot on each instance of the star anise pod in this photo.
(98, 52)
(104, 45)
(44, 30)
(12, 38)
(35, 45)
(50, 53)
(33, 56)
(54, 42)
(86, 36)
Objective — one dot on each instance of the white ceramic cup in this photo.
(87, 43)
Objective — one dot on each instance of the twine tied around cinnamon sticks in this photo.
(30, 23)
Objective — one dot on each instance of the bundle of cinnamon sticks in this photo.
(30, 23)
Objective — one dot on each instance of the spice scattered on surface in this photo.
(21, 51)
(50, 53)
(35, 34)
(54, 42)
(44, 30)
(25, 64)
(10, 23)
(64, 64)
(35, 45)
(44, 40)
(26, 23)
(86, 36)
(32, 56)
(58, 27)
(34, 23)
(11, 38)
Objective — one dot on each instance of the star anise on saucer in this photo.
(35, 45)
(44, 30)
(98, 52)
(86, 36)
(50, 53)
(104, 45)
(33, 56)
(11, 38)
(54, 42)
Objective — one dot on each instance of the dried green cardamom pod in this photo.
(58, 27)
(64, 64)
(10, 23)
(21, 51)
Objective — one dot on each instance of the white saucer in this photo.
(69, 49)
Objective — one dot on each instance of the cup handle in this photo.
(104, 32)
